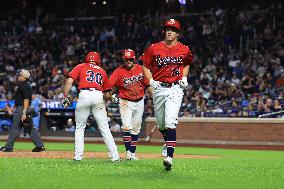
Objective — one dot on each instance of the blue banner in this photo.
(5, 102)
(47, 104)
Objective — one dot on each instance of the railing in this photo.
(272, 113)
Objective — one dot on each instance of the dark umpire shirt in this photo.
(24, 91)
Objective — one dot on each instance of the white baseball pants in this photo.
(167, 102)
(131, 115)
(92, 101)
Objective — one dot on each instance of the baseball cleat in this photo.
(76, 160)
(133, 157)
(38, 149)
(128, 155)
(4, 149)
(168, 163)
(115, 160)
(164, 151)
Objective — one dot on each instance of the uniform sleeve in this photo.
(112, 81)
(188, 58)
(109, 82)
(74, 74)
(147, 57)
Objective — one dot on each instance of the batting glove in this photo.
(65, 102)
(114, 98)
(154, 84)
(183, 83)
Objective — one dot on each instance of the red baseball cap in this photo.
(128, 54)
(172, 23)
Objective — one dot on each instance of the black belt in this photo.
(168, 85)
(88, 89)
(18, 105)
(136, 100)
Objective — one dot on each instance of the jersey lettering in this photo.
(175, 72)
(132, 80)
(164, 61)
(94, 77)
(99, 78)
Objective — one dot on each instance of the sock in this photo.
(133, 143)
(127, 140)
(171, 141)
(164, 133)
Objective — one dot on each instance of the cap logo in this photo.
(172, 21)
(127, 54)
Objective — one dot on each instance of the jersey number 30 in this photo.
(94, 77)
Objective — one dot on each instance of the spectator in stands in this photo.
(210, 67)
(260, 108)
(244, 112)
(280, 81)
(70, 127)
(248, 84)
(114, 126)
(234, 91)
(220, 93)
(186, 113)
(200, 103)
(218, 109)
(6, 123)
(251, 110)
(235, 108)
(185, 103)
(149, 111)
(268, 106)
(90, 127)
(277, 106)
(245, 102)
(270, 89)
(234, 113)
(36, 105)
(235, 80)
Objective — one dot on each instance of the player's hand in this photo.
(114, 98)
(154, 84)
(24, 117)
(65, 102)
(183, 83)
(108, 95)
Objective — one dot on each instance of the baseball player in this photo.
(91, 78)
(166, 65)
(131, 84)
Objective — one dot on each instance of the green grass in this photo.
(235, 169)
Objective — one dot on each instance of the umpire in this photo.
(23, 115)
